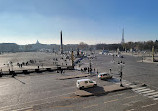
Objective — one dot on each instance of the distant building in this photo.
(9, 47)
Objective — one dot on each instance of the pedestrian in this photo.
(26, 63)
(110, 70)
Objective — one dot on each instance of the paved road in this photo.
(40, 59)
(45, 92)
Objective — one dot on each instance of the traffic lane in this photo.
(111, 102)
(34, 103)
(36, 88)
(142, 72)
(34, 100)
(133, 71)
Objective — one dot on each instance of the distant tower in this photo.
(123, 40)
(61, 43)
(37, 42)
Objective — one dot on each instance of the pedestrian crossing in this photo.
(145, 91)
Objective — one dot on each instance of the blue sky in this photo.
(90, 21)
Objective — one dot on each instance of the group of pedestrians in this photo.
(26, 63)
(89, 70)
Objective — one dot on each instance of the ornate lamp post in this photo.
(121, 65)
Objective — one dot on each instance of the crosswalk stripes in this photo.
(155, 99)
(133, 86)
(140, 88)
(149, 94)
(140, 91)
(148, 91)
(153, 96)
(145, 91)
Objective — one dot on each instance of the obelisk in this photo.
(61, 43)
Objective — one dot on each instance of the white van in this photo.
(85, 83)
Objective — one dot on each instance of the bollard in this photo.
(1, 74)
(49, 69)
(110, 70)
(37, 70)
(12, 73)
(25, 72)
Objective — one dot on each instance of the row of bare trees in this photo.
(138, 46)
(146, 45)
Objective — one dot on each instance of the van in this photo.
(85, 83)
(104, 75)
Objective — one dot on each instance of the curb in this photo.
(101, 93)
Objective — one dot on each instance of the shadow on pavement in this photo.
(19, 80)
(113, 80)
(96, 91)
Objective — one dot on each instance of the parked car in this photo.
(85, 83)
(104, 75)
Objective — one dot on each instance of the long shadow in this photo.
(19, 80)
(114, 80)
(96, 91)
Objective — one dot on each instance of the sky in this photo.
(89, 21)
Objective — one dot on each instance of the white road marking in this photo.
(151, 94)
(138, 88)
(111, 101)
(155, 99)
(127, 84)
(149, 105)
(130, 97)
(91, 106)
(142, 90)
(131, 110)
(133, 86)
(26, 108)
(148, 91)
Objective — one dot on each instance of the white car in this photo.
(85, 83)
(104, 75)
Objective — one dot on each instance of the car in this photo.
(104, 75)
(121, 56)
(85, 83)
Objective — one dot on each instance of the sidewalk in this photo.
(74, 76)
(100, 90)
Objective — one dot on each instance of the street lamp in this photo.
(90, 65)
(121, 65)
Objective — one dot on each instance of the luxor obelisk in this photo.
(61, 43)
